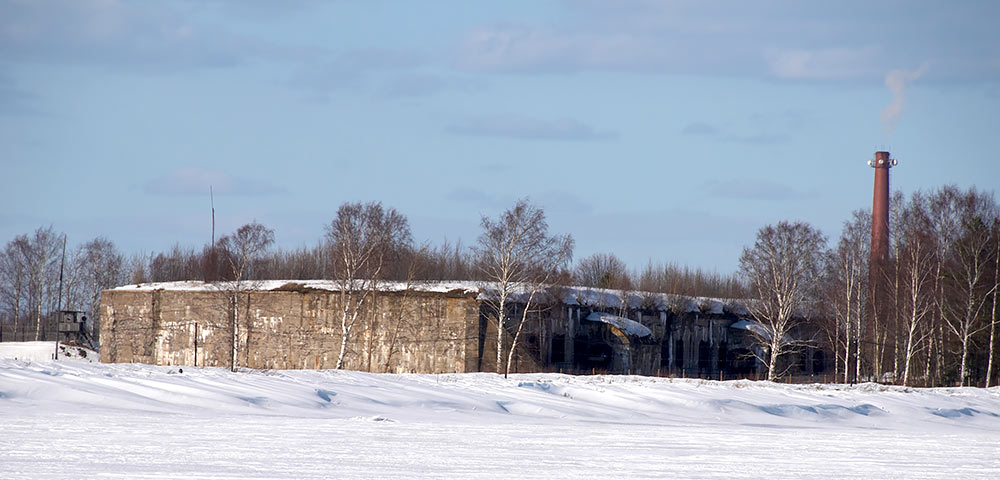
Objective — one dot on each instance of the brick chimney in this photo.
(880, 207)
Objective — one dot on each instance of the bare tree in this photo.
(303, 263)
(915, 264)
(993, 312)
(943, 210)
(447, 261)
(972, 257)
(606, 270)
(781, 269)
(885, 327)
(13, 280)
(98, 265)
(601, 270)
(516, 254)
(361, 239)
(241, 250)
(848, 276)
(396, 260)
(402, 309)
(560, 252)
(180, 263)
(683, 280)
(40, 252)
(137, 268)
(74, 285)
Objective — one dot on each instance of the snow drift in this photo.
(140, 421)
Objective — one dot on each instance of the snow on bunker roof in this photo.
(630, 327)
(570, 295)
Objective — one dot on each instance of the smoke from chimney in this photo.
(896, 80)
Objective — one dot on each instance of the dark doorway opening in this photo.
(819, 361)
(742, 361)
(724, 364)
(679, 354)
(558, 348)
(704, 356)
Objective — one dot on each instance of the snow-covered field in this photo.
(71, 419)
(40, 351)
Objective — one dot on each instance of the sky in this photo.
(663, 131)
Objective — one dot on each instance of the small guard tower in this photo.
(71, 326)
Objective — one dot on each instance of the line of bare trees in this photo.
(927, 315)
(30, 269)
(365, 244)
(606, 270)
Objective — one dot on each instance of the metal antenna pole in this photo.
(211, 195)
(213, 265)
(62, 266)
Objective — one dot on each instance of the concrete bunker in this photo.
(442, 327)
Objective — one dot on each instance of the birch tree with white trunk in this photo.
(943, 211)
(361, 239)
(782, 269)
(40, 252)
(517, 256)
(559, 252)
(972, 258)
(991, 350)
(849, 272)
(241, 249)
(917, 286)
(13, 281)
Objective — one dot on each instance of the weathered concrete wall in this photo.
(405, 332)
(294, 327)
(691, 343)
(531, 349)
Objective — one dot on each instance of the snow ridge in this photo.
(141, 421)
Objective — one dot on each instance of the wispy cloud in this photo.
(699, 128)
(427, 84)
(528, 128)
(529, 50)
(752, 189)
(757, 138)
(783, 39)
(13, 99)
(198, 181)
(723, 135)
(615, 43)
(478, 198)
(354, 69)
(124, 34)
(832, 63)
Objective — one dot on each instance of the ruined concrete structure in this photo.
(288, 326)
(435, 327)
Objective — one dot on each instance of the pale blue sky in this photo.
(656, 130)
